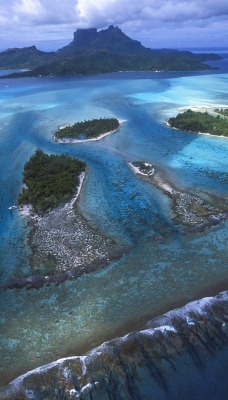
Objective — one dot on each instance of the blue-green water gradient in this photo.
(40, 326)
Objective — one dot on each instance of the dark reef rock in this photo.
(193, 210)
(180, 355)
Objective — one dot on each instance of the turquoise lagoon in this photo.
(42, 325)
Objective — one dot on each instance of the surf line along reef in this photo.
(187, 342)
(64, 244)
(66, 297)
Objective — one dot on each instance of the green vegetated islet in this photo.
(49, 180)
(89, 128)
(193, 121)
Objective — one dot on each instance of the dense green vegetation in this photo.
(104, 61)
(200, 122)
(88, 129)
(93, 52)
(222, 111)
(49, 180)
(27, 57)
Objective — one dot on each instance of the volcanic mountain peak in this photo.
(112, 39)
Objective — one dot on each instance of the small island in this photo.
(202, 122)
(64, 244)
(142, 168)
(193, 211)
(49, 180)
(93, 129)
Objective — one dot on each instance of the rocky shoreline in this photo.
(181, 354)
(38, 281)
(64, 246)
(194, 212)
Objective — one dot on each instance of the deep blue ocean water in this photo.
(41, 326)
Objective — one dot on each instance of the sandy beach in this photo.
(27, 211)
(210, 109)
(203, 108)
(72, 202)
(138, 171)
(72, 141)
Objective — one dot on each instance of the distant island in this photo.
(199, 122)
(49, 180)
(88, 129)
(96, 52)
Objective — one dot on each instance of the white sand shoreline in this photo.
(161, 184)
(81, 180)
(27, 210)
(201, 108)
(72, 141)
(137, 169)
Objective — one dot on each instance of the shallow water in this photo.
(41, 326)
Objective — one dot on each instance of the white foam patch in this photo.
(137, 170)
(166, 328)
(200, 307)
(66, 373)
(77, 393)
(189, 321)
(83, 364)
(30, 395)
(44, 368)
(163, 329)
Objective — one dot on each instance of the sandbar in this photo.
(188, 209)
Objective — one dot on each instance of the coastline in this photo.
(209, 109)
(81, 308)
(197, 328)
(65, 245)
(188, 209)
(137, 169)
(203, 108)
(196, 133)
(27, 211)
(72, 141)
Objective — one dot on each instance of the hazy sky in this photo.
(156, 23)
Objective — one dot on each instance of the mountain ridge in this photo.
(112, 39)
(94, 52)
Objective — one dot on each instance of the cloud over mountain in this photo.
(58, 16)
(148, 11)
